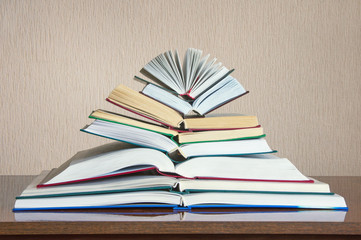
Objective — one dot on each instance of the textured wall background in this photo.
(300, 60)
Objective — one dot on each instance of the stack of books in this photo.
(179, 156)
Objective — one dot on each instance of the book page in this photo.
(240, 168)
(94, 166)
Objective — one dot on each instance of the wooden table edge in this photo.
(78, 228)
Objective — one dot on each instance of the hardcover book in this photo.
(157, 191)
(144, 138)
(145, 106)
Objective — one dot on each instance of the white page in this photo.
(223, 91)
(186, 67)
(156, 69)
(240, 168)
(167, 98)
(140, 197)
(108, 162)
(226, 148)
(132, 135)
(172, 63)
(266, 200)
(200, 68)
(204, 85)
(178, 63)
(166, 64)
(272, 216)
(196, 55)
(106, 184)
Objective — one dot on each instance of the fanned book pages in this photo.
(147, 107)
(192, 78)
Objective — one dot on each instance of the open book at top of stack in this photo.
(194, 78)
(186, 160)
(177, 92)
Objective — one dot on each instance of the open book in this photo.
(88, 181)
(154, 140)
(111, 161)
(183, 136)
(145, 106)
(191, 78)
(146, 181)
(176, 200)
(221, 93)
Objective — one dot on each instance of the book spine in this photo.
(186, 95)
(180, 130)
(171, 174)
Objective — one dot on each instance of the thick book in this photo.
(190, 79)
(150, 139)
(176, 200)
(145, 181)
(205, 215)
(112, 160)
(147, 107)
(180, 136)
(221, 93)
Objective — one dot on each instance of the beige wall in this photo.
(300, 60)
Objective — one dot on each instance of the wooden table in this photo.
(11, 227)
